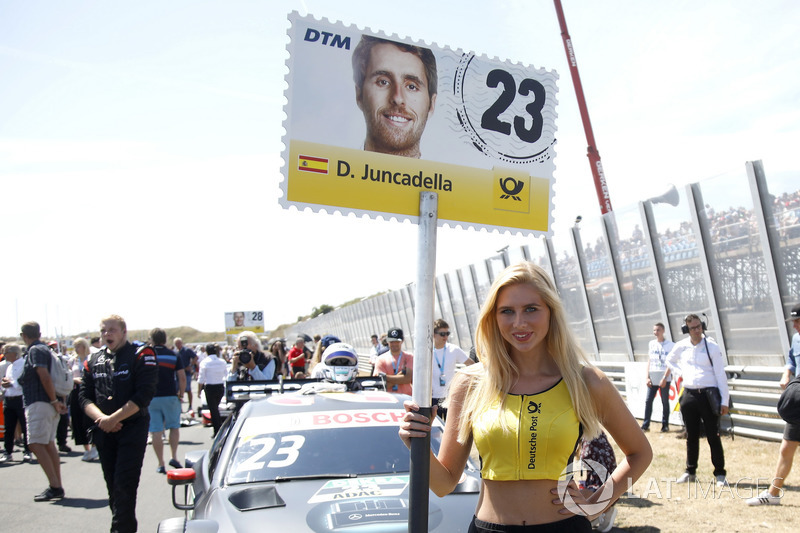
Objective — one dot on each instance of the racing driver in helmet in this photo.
(339, 364)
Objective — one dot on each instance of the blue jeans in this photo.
(648, 406)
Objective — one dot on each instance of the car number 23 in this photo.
(286, 453)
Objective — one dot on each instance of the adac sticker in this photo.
(365, 487)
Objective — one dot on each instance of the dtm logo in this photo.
(511, 188)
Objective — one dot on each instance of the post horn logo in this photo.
(511, 187)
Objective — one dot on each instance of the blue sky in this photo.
(140, 142)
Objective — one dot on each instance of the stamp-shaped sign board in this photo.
(239, 321)
(372, 121)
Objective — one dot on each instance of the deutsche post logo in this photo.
(512, 190)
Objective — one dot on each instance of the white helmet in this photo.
(341, 362)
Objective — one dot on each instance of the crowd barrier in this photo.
(726, 248)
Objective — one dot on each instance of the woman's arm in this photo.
(447, 467)
(623, 428)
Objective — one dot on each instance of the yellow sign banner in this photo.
(372, 121)
(322, 175)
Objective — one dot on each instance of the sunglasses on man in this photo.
(443, 333)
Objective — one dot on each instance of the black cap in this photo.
(395, 334)
(795, 314)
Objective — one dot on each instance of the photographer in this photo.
(249, 362)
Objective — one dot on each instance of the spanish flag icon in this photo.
(307, 163)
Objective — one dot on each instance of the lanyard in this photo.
(396, 365)
(440, 364)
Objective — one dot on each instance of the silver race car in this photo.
(316, 460)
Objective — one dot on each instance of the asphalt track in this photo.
(85, 507)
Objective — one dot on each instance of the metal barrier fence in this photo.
(727, 247)
(754, 394)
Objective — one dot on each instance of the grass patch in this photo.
(657, 504)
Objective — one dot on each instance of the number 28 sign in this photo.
(372, 121)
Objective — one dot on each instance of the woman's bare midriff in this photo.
(524, 502)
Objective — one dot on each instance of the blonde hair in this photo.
(317, 357)
(493, 377)
(80, 341)
(116, 318)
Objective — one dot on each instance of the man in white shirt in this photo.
(658, 377)
(13, 409)
(211, 379)
(443, 364)
(699, 361)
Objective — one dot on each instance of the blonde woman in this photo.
(525, 406)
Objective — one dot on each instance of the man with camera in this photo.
(249, 362)
(705, 396)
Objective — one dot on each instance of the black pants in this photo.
(440, 411)
(80, 422)
(694, 409)
(13, 412)
(61, 430)
(648, 405)
(121, 456)
(214, 395)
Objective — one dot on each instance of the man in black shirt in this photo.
(118, 383)
(189, 359)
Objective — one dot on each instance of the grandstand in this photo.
(728, 247)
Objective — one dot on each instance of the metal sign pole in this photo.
(419, 484)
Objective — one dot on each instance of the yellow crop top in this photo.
(544, 432)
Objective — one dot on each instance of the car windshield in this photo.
(340, 443)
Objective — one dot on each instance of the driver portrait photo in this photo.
(396, 86)
(238, 319)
